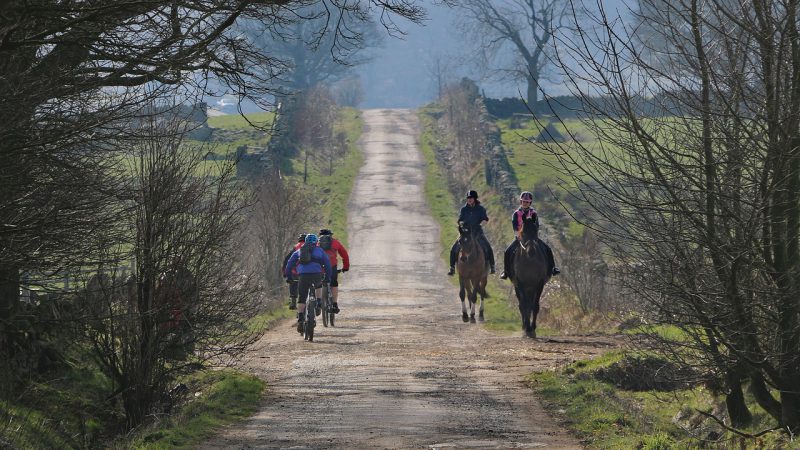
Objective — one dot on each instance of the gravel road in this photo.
(400, 369)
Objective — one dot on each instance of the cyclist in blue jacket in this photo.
(310, 274)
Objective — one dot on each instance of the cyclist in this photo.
(292, 281)
(312, 264)
(333, 248)
(525, 210)
(472, 215)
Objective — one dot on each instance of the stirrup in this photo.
(504, 276)
(556, 271)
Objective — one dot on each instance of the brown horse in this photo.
(473, 272)
(530, 275)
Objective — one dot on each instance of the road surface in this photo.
(400, 369)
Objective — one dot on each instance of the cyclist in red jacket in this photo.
(333, 248)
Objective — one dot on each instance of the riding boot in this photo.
(487, 250)
(508, 261)
(453, 255)
(293, 303)
(551, 262)
(335, 308)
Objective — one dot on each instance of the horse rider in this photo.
(525, 210)
(333, 248)
(473, 216)
(309, 273)
(292, 281)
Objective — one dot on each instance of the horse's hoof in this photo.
(480, 318)
(472, 319)
(465, 318)
(530, 334)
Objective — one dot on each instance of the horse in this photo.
(473, 272)
(530, 274)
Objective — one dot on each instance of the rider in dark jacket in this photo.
(472, 216)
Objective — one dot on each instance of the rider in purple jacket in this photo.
(310, 274)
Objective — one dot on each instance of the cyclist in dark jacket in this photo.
(473, 216)
(292, 281)
(310, 275)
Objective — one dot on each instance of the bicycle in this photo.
(327, 305)
(309, 321)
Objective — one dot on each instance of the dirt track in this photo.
(400, 370)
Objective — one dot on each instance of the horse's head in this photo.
(467, 239)
(530, 229)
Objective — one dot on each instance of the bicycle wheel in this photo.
(310, 322)
(325, 307)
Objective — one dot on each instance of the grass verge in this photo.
(219, 398)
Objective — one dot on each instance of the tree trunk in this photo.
(532, 95)
(9, 291)
(737, 408)
(763, 397)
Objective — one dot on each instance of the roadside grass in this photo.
(605, 416)
(65, 410)
(219, 398)
(501, 315)
(333, 190)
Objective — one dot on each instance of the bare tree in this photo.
(312, 127)
(283, 211)
(695, 187)
(463, 113)
(441, 69)
(189, 295)
(523, 28)
(348, 91)
(315, 51)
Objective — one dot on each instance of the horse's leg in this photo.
(482, 292)
(535, 311)
(473, 298)
(461, 294)
(524, 309)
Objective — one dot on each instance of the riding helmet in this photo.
(526, 196)
(301, 238)
(472, 194)
(311, 239)
(325, 231)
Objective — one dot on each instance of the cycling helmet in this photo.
(472, 194)
(526, 196)
(301, 238)
(311, 239)
(325, 231)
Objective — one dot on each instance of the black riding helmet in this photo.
(301, 237)
(325, 231)
(472, 194)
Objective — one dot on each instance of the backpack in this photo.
(326, 241)
(305, 253)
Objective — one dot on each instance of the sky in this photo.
(400, 77)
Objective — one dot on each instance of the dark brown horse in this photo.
(530, 275)
(473, 272)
